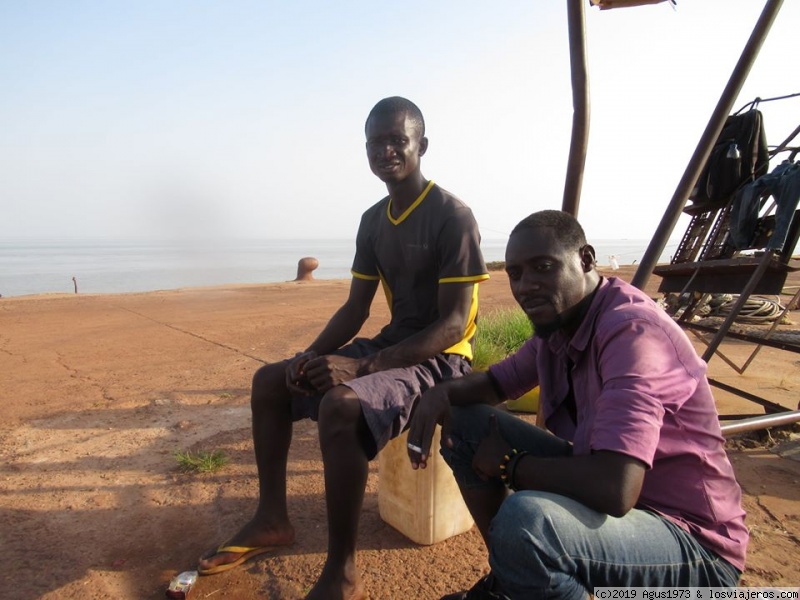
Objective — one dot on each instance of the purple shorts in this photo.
(387, 397)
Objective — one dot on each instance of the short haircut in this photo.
(396, 105)
(565, 227)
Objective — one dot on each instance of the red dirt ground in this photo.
(99, 391)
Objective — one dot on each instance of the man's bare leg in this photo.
(483, 504)
(342, 430)
(270, 404)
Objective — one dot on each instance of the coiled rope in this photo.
(756, 309)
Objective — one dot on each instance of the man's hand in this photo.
(489, 455)
(296, 379)
(326, 372)
(433, 407)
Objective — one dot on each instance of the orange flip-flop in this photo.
(246, 553)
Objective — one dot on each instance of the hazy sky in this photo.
(245, 118)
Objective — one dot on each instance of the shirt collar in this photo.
(580, 340)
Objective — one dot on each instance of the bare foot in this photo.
(338, 592)
(251, 540)
(344, 585)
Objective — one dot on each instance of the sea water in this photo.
(115, 266)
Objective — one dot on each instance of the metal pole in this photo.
(706, 143)
(784, 418)
(785, 142)
(580, 106)
(744, 296)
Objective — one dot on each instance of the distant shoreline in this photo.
(116, 267)
(186, 289)
(625, 272)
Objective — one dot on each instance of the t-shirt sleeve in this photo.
(460, 253)
(643, 377)
(517, 374)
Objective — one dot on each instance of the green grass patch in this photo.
(500, 333)
(200, 461)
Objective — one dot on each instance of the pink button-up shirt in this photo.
(640, 389)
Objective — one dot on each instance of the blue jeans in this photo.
(544, 545)
(784, 185)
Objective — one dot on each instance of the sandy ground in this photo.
(99, 391)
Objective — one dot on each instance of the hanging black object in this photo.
(739, 156)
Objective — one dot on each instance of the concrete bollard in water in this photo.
(305, 266)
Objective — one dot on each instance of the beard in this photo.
(569, 319)
(545, 330)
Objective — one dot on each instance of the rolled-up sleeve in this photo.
(518, 373)
(643, 378)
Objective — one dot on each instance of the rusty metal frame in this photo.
(576, 22)
(579, 144)
(706, 143)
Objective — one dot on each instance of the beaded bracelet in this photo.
(504, 465)
(511, 470)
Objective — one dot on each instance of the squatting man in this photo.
(629, 485)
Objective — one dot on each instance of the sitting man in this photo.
(422, 243)
(633, 486)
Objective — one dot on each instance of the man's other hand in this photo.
(296, 379)
(326, 372)
(433, 407)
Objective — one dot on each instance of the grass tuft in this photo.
(500, 333)
(201, 461)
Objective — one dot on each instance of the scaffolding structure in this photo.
(706, 262)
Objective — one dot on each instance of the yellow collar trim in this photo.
(416, 203)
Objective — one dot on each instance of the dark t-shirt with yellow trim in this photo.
(435, 242)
